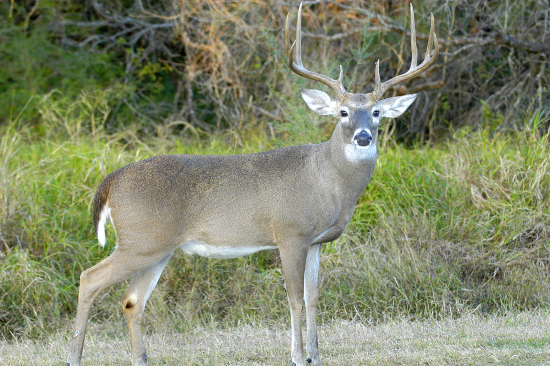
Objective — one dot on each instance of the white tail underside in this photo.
(105, 213)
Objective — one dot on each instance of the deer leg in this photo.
(293, 259)
(311, 298)
(133, 304)
(115, 268)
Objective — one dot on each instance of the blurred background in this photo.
(218, 65)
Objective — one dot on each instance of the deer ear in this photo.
(396, 106)
(318, 101)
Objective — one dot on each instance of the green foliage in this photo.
(49, 86)
(490, 119)
(304, 128)
(152, 70)
(440, 231)
(31, 67)
(215, 62)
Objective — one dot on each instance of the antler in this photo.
(296, 64)
(414, 70)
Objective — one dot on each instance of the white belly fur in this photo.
(205, 250)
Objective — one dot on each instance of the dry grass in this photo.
(513, 339)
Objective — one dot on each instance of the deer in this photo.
(292, 199)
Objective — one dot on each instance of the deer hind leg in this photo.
(311, 298)
(133, 304)
(293, 259)
(112, 270)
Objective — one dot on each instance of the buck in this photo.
(293, 199)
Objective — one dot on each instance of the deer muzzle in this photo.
(362, 139)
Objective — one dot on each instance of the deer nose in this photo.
(363, 138)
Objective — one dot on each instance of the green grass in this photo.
(440, 231)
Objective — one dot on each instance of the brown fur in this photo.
(293, 198)
(101, 195)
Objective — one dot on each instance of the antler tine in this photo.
(413, 40)
(377, 73)
(414, 70)
(298, 40)
(289, 49)
(297, 66)
(430, 38)
(377, 93)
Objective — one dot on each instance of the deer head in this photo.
(358, 114)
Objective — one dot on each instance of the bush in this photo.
(218, 65)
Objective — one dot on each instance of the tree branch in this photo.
(485, 39)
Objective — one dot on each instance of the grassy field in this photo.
(446, 259)
(447, 238)
(513, 339)
(440, 231)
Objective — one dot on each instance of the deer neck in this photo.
(348, 166)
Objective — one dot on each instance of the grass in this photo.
(441, 230)
(507, 339)
(446, 239)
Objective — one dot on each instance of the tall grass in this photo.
(441, 230)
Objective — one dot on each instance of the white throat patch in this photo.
(356, 154)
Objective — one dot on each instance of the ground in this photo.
(512, 339)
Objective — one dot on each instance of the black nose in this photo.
(363, 138)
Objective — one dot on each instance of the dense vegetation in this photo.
(456, 218)
(209, 66)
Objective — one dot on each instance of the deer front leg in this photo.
(311, 298)
(133, 304)
(293, 259)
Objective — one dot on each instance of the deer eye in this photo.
(376, 113)
(343, 113)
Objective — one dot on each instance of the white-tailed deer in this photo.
(292, 199)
